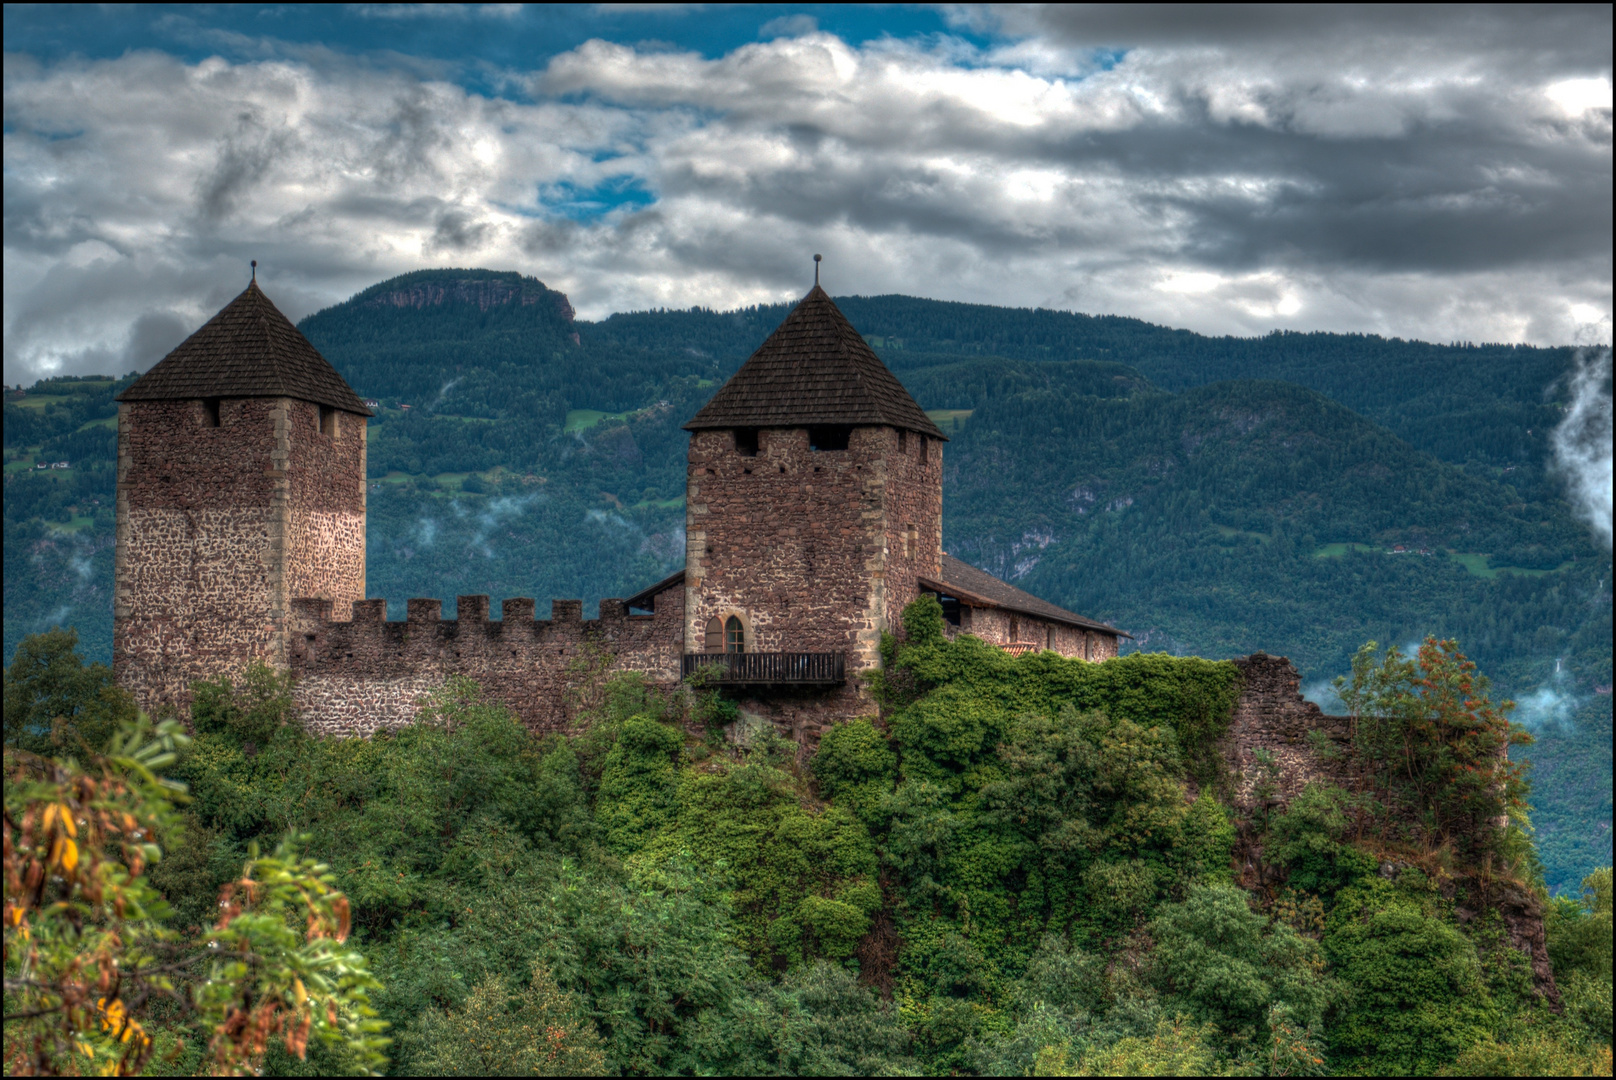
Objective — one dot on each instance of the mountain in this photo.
(1212, 495)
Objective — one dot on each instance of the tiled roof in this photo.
(814, 369)
(979, 588)
(645, 597)
(249, 349)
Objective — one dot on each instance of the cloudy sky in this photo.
(1441, 173)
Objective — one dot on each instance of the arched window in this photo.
(734, 635)
(715, 637)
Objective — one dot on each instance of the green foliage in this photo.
(1227, 965)
(1176, 1048)
(1011, 853)
(1579, 930)
(92, 969)
(1309, 839)
(1532, 1053)
(817, 1022)
(1417, 999)
(538, 1031)
(856, 767)
(639, 784)
(923, 620)
(249, 714)
(1579, 942)
(1433, 737)
(56, 704)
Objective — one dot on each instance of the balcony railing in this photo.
(771, 668)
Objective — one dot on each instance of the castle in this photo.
(813, 512)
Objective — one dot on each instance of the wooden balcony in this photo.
(771, 668)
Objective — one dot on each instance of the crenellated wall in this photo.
(364, 674)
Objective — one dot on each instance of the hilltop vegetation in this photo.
(1097, 461)
(1033, 865)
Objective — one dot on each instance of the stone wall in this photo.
(1272, 715)
(363, 674)
(813, 550)
(996, 626)
(909, 468)
(217, 525)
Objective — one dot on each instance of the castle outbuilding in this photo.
(813, 516)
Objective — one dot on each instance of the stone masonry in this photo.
(219, 527)
(358, 676)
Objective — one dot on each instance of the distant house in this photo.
(372, 403)
(58, 464)
(404, 406)
(1399, 549)
(43, 465)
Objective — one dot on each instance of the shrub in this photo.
(1417, 997)
(538, 1031)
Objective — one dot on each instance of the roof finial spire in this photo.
(255, 269)
(817, 258)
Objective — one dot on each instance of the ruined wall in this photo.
(1272, 715)
(215, 525)
(996, 626)
(364, 674)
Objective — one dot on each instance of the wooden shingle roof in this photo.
(249, 349)
(978, 588)
(814, 369)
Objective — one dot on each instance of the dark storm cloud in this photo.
(1440, 172)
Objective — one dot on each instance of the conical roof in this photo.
(814, 369)
(249, 349)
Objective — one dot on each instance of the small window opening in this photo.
(925, 448)
(734, 635)
(951, 609)
(829, 438)
(210, 412)
(746, 442)
(911, 539)
(903, 441)
(328, 421)
(1015, 630)
(715, 637)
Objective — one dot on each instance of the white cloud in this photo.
(1171, 183)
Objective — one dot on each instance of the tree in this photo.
(55, 703)
(538, 1031)
(1230, 965)
(87, 951)
(1432, 734)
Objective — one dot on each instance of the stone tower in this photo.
(814, 499)
(241, 484)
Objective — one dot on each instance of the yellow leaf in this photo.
(70, 854)
(67, 820)
(299, 993)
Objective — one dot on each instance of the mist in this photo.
(1582, 442)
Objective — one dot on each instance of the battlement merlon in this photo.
(495, 652)
(313, 614)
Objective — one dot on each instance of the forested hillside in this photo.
(1212, 495)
